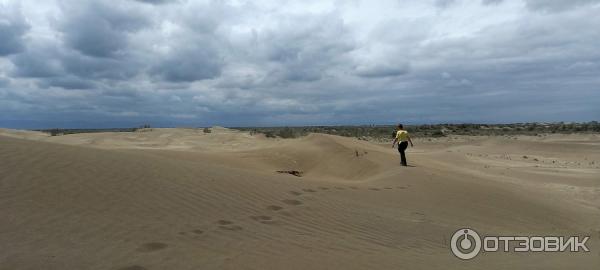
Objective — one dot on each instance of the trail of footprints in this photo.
(227, 225)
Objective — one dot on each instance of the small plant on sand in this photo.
(207, 130)
(270, 134)
(287, 132)
(56, 132)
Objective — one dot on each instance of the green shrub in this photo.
(286, 133)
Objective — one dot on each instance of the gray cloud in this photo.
(100, 29)
(100, 68)
(38, 61)
(67, 82)
(557, 5)
(12, 29)
(301, 48)
(444, 3)
(157, 2)
(383, 70)
(491, 2)
(189, 64)
(4, 82)
(106, 63)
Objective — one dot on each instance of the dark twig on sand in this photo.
(294, 173)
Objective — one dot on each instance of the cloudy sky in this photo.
(106, 63)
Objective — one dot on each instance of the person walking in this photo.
(402, 138)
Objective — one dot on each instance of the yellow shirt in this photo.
(402, 135)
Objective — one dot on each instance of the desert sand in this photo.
(185, 199)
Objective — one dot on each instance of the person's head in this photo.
(400, 126)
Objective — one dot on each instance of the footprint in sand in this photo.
(259, 218)
(224, 222)
(133, 267)
(376, 189)
(292, 202)
(387, 188)
(418, 217)
(231, 228)
(228, 225)
(198, 232)
(296, 193)
(274, 207)
(340, 188)
(285, 213)
(270, 222)
(323, 188)
(308, 190)
(152, 246)
(264, 219)
(354, 187)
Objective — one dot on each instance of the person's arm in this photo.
(410, 141)
(394, 143)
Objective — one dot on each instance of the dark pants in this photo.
(401, 148)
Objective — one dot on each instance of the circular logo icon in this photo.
(465, 244)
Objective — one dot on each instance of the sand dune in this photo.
(184, 199)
